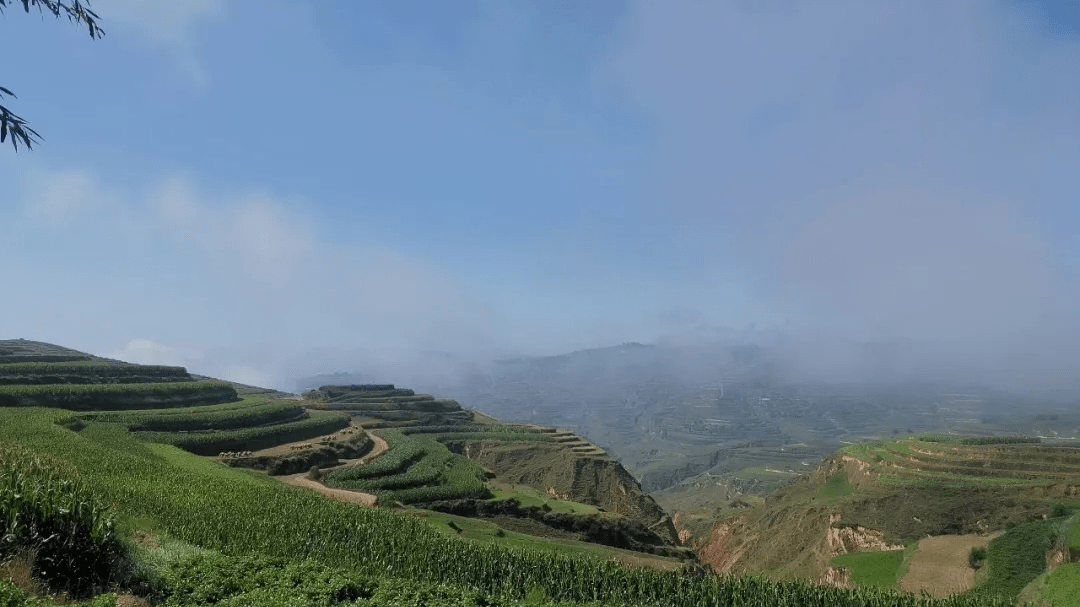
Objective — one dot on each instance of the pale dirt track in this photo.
(940, 565)
(352, 497)
(379, 447)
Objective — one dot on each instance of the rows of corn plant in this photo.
(404, 452)
(442, 428)
(251, 412)
(66, 389)
(45, 511)
(979, 440)
(496, 436)
(236, 513)
(459, 479)
(115, 396)
(89, 372)
(312, 425)
(437, 474)
(82, 365)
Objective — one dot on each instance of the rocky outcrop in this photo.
(840, 577)
(599, 481)
(844, 538)
(793, 538)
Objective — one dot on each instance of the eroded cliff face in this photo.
(795, 539)
(857, 471)
(791, 541)
(600, 481)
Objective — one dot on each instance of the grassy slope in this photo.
(1062, 588)
(872, 568)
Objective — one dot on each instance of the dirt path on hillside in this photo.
(940, 565)
(289, 448)
(379, 447)
(352, 497)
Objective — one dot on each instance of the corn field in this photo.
(238, 514)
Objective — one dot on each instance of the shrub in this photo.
(1059, 510)
(977, 557)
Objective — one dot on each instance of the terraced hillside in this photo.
(384, 406)
(38, 374)
(888, 495)
(203, 532)
(440, 453)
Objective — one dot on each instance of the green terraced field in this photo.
(250, 412)
(315, 424)
(417, 468)
(115, 396)
(974, 461)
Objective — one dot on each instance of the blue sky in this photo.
(268, 189)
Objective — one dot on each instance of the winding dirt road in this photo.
(352, 497)
(379, 447)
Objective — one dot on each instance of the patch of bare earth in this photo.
(379, 447)
(352, 497)
(940, 565)
(290, 448)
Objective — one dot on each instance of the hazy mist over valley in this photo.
(803, 224)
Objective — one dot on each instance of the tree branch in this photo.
(79, 13)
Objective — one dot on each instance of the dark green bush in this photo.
(977, 557)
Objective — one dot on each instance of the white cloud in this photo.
(194, 269)
(64, 197)
(171, 26)
(254, 236)
(147, 352)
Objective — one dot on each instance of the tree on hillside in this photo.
(79, 13)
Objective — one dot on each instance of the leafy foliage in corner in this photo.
(79, 13)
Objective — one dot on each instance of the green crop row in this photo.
(232, 511)
(423, 470)
(404, 451)
(256, 412)
(243, 403)
(250, 439)
(77, 366)
(459, 479)
(45, 511)
(113, 396)
(68, 389)
(1018, 556)
(429, 469)
(494, 436)
(1000, 440)
(438, 429)
(980, 440)
(88, 372)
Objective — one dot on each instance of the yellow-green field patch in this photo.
(872, 568)
(1062, 588)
